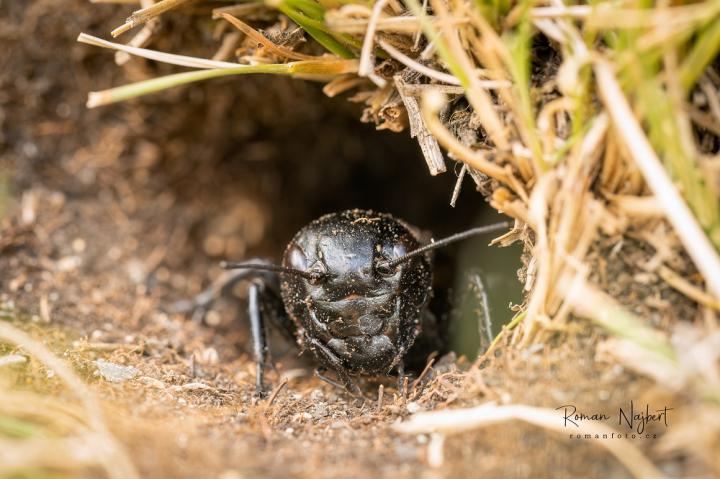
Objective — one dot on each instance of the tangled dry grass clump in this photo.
(596, 126)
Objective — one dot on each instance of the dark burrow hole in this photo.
(304, 155)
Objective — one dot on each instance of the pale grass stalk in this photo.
(420, 89)
(170, 58)
(542, 250)
(607, 16)
(367, 57)
(323, 70)
(595, 215)
(573, 11)
(114, 458)
(397, 7)
(240, 10)
(57, 416)
(418, 34)
(703, 119)
(546, 121)
(575, 214)
(494, 54)
(610, 172)
(550, 29)
(408, 25)
(662, 38)
(687, 288)
(589, 302)
(342, 84)
(351, 12)
(435, 74)
(71, 455)
(418, 67)
(461, 420)
(657, 17)
(642, 207)
(655, 366)
(694, 240)
(713, 97)
(676, 96)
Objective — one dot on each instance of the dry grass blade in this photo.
(256, 36)
(110, 453)
(367, 57)
(460, 420)
(687, 288)
(418, 67)
(172, 59)
(145, 14)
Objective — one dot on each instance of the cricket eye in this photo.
(383, 267)
(296, 258)
(318, 272)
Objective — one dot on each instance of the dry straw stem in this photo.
(687, 288)
(418, 67)
(428, 144)
(408, 24)
(589, 302)
(367, 57)
(109, 452)
(686, 226)
(141, 38)
(461, 420)
(258, 37)
(144, 15)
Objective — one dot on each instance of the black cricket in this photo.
(353, 288)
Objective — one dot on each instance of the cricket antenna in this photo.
(389, 265)
(270, 267)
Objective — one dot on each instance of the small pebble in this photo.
(316, 395)
(152, 382)
(12, 359)
(115, 373)
(68, 263)
(413, 407)
(78, 245)
(320, 410)
(231, 474)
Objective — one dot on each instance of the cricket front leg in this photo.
(329, 361)
(259, 334)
